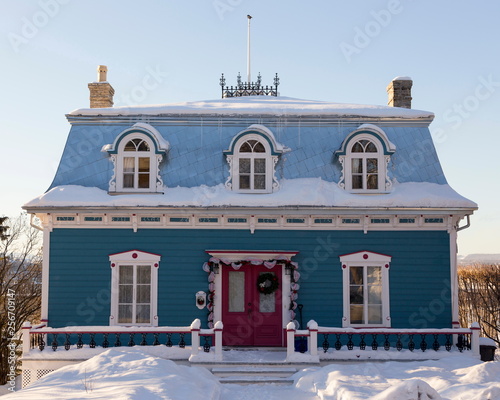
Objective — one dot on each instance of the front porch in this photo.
(46, 349)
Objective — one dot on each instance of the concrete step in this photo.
(280, 372)
(255, 380)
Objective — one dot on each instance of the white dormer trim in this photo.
(121, 159)
(365, 180)
(273, 150)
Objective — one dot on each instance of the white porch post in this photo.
(474, 341)
(195, 336)
(454, 276)
(26, 337)
(290, 340)
(218, 327)
(44, 315)
(313, 337)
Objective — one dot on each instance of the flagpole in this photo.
(248, 51)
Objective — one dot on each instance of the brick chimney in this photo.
(399, 91)
(101, 92)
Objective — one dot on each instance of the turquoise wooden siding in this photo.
(80, 272)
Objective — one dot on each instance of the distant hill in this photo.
(479, 258)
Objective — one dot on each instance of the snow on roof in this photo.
(313, 192)
(262, 105)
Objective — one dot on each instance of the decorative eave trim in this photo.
(365, 256)
(160, 144)
(239, 255)
(136, 255)
(373, 130)
(240, 209)
(260, 130)
(268, 119)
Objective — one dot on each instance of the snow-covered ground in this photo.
(129, 373)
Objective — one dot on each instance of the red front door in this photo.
(250, 318)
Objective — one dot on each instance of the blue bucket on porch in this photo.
(300, 341)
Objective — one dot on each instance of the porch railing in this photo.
(43, 337)
(386, 339)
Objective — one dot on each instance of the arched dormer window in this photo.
(364, 156)
(252, 157)
(136, 155)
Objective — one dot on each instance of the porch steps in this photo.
(248, 374)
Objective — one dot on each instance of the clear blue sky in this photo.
(168, 51)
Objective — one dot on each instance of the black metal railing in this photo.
(67, 340)
(396, 341)
(249, 88)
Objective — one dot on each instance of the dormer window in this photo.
(364, 165)
(252, 157)
(364, 157)
(136, 155)
(137, 165)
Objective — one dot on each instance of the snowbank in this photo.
(132, 374)
(261, 105)
(121, 374)
(453, 378)
(313, 192)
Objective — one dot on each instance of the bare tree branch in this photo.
(20, 284)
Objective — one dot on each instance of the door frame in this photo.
(236, 256)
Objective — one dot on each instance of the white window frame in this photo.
(134, 258)
(365, 259)
(153, 164)
(381, 165)
(385, 149)
(158, 147)
(272, 148)
(269, 170)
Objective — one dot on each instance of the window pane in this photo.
(128, 164)
(124, 314)
(356, 275)
(375, 294)
(143, 313)
(245, 148)
(143, 294)
(236, 291)
(130, 146)
(357, 166)
(144, 274)
(143, 146)
(356, 294)
(372, 181)
(244, 181)
(371, 165)
(371, 148)
(143, 181)
(259, 148)
(374, 275)
(375, 314)
(259, 165)
(128, 180)
(143, 164)
(259, 182)
(357, 148)
(357, 315)
(125, 293)
(244, 165)
(267, 303)
(357, 182)
(126, 275)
